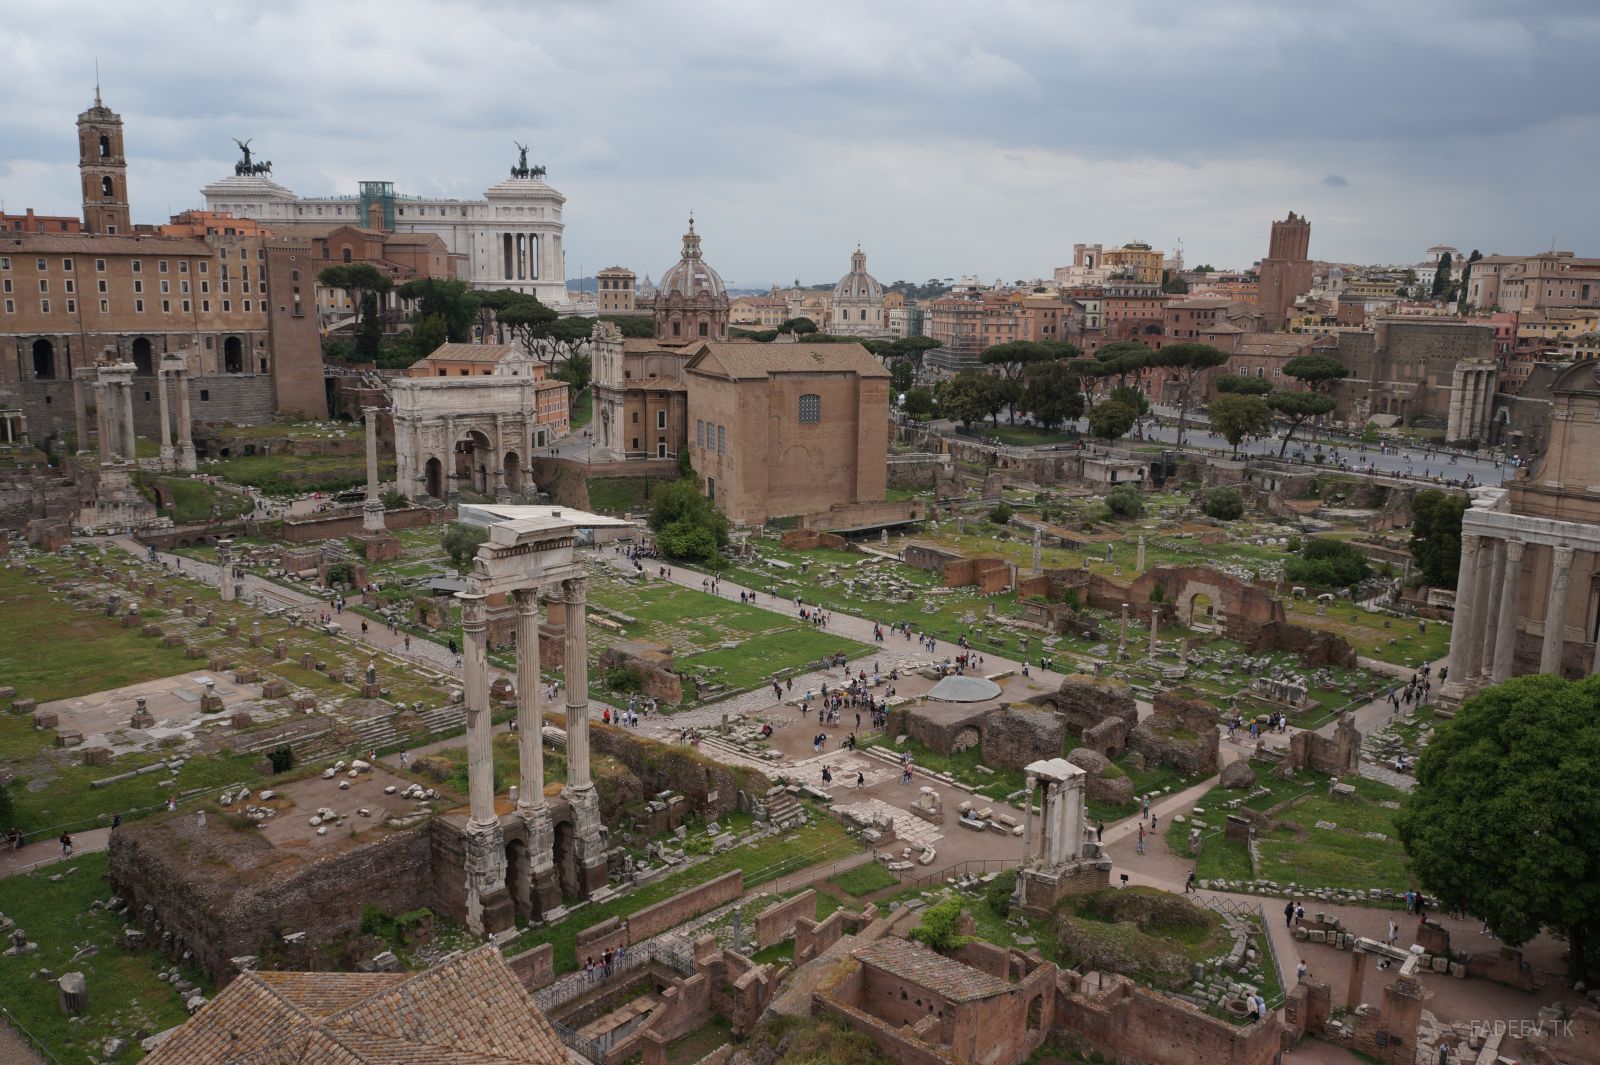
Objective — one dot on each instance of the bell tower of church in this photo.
(103, 170)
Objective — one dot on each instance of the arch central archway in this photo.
(433, 478)
(473, 456)
(1201, 614)
(513, 472)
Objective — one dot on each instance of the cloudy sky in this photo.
(982, 136)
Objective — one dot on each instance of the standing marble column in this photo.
(1138, 567)
(167, 454)
(1505, 644)
(1027, 818)
(80, 412)
(104, 419)
(575, 591)
(1037, 569)
(1122, 633)
(1155, 624)
(1555, 611)
(1489, 610)
(180, 384)
(1484, 603)
(589, 843)
(130, 447)
(1463, 632)
(225, 570)
(475, 669)
(372, 510)
(530, 722)
(541, 893)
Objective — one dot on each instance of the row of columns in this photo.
(1471, 402)
(113, 392)
(1483, 641)
(1061, 822)
(489, 908)
(174, 371)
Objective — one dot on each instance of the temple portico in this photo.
(1059, 857)
(1528, 590)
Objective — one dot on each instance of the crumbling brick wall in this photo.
(1181, 733)
(807, 539)
(1336, 755)
(1315, 647)
(1013, 736)
(1128, 1022)
(777, 922)
(1101, 714)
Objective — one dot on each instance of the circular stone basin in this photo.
(964, 690)
(1238, 1007)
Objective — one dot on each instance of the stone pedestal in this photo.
(543, 889)
(589, 847)
(380, 546)
(489, 907)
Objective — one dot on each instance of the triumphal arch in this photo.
(522, 860)
(473, 433)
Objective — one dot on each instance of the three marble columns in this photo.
(1483, 643)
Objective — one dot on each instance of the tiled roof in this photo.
(943, 976)
(101, 244)
(453, 352)
(749, 360)
(469, 1011)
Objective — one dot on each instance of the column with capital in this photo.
(129, 445)
(105, 419)
(1489, 606)
(1555, 611)
(180, 386)
(1505, 643)
(1463, 633)
(1027, 819)
(489, 907)
(168, 456)
(80, 411)
(543, 892)
(452, 487)
(372, 509)
(580, 790)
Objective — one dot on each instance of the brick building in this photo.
(236, 301)
(615, 290)
(785, 429)
(1286, 272)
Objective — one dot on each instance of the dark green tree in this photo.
(687, 527)
(1500, 823)
(1436, 535)
(1111, 420)
(1123, 357)
(637, 326)
(1441, 276)
(1133, 397)
(1327, 564)
(939, 924)
(965, 397)
(450, 300)
(1317, 371)
(576, 371)
(1050, 393)
(1125, 501)
(1240, 385)
(427, 334)
(1224, 503)
(920, 403)
(1236, 417)
(528, 322)
(1462, 305)
(1298, 407)
(902, 374)
(1185, 362)
(798, 326)
(1014, 356)
(461, 542)
(1001, 513)
(369, 330)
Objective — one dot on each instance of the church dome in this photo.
(692, 278)
(858, 284)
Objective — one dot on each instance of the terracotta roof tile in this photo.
(747, 360)
(469, 1011)
(943, 976)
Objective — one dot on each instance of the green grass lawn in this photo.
(1296, 851)
(195, 501)
(823, 840)
(125, 997)
(961, 765)
(1022, 435)
(622, 495)
(864, 879)
(286, 474)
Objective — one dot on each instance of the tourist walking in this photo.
(66, 845)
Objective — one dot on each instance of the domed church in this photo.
(857, 303)
(691, 302)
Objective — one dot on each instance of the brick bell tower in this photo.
(103, 170)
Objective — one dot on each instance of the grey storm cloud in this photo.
(946, 137)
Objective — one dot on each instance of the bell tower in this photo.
(103, 170)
